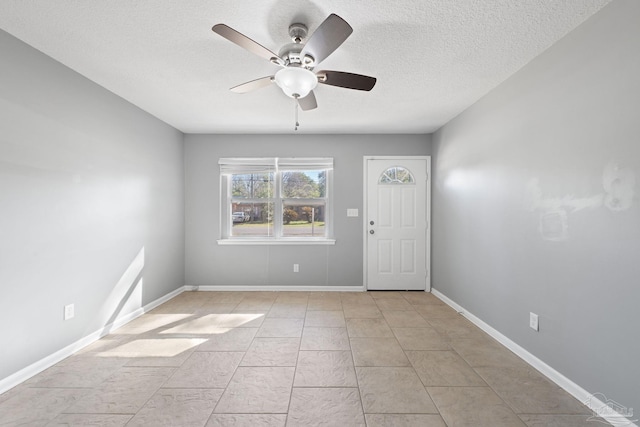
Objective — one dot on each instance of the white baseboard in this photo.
(48, 361)
(603, 409)
(266, 288)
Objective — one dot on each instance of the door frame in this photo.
(365, 216)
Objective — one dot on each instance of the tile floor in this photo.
(294, 359)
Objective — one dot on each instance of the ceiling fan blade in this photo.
(327, 38)
(308, 102)
(243, 41)
(346, 80)
(253, 85)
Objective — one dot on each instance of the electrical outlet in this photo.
(296, 268)
(69, 311)
(533, 321)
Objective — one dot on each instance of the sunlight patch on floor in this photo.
(213, 323)
(168, 347)
(149, 322)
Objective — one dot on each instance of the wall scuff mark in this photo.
(619, 190)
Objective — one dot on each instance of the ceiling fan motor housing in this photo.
(290, 52)
(298, 32)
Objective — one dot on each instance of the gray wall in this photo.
(92, 206)
(535, 205)
(340, 265)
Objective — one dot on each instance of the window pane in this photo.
(306, 221)
(307, 184)
(396, 175)
(252, 219)
(252, 185)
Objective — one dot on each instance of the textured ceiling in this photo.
(432, 58)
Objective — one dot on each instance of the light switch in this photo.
(352, 212)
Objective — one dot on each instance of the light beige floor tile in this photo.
(212, 308)
(78, 372)
(368, 328)
(101, 345)
(378, 352)
(473, 407)
(253, 304)
(152, 323)
(257, 390)
(247, 420)
(324, 304)
(83, 420)
(206, 370)
(544, 420)
(292, 297)
(325, 406)
(215, 323)
(443, 368)
(236, 339)
(455, 327)
(287, 310)
(325, 369)
(548, 399)
(177, 307)
(529, 392)
(393, 390)
(267, 295)
(151, 345)
(247, 318)
(391, 304)
(163, 366)
(356, 311)
(404, 319)
(378, 295)
(193, 296)
(177, 407)
(325, 319)
(356, 298)
(404, 420)
(164, 351)
(420, 339)
(422, 298)
(125, 392)
(223, 297)
(325, 339)
(485, 352)
(525, 376)
(272, 352)
(37, 406)
(281, 328)
(435, 311)
(13, 392)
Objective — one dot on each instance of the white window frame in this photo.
(277, 165)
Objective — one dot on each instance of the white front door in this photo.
(397, 211)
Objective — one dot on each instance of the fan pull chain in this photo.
(296, 113)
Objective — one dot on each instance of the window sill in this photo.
(276, 242)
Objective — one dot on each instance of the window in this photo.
(275, 200)
(396, 175)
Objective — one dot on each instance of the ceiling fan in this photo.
(296, 78)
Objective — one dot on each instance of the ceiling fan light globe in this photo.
(296, 82)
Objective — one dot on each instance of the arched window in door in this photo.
(396, 175)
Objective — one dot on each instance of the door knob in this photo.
(371, 222)
(371, 232)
